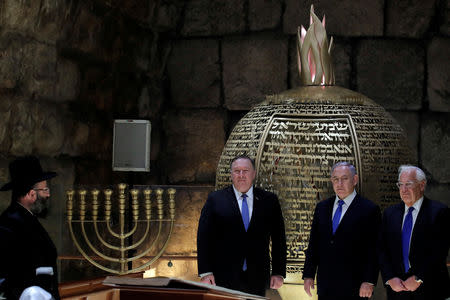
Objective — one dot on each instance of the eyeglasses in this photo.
(45, 190)
(407, 185)
(337, 179)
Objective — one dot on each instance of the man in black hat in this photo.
(27, 254)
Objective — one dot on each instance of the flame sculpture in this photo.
(315, 65)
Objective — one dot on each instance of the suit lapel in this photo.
(329, 215)
(231, 198)
(419, 224)
(257, 202)
(348, 216)
(397, 220)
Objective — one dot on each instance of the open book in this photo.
(174, 283)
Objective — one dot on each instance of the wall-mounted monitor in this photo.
(131, 145)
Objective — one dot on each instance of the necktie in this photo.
(245, 219)
(245, 214)
(406, 237)
(337, 215)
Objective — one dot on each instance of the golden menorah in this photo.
(123, 248)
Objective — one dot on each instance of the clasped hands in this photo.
(365, 290)
(398, 285)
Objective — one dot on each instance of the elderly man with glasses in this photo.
(27, 254)
(415, 239)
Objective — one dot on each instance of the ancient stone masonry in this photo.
(68, 68)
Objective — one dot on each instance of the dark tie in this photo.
(337, 215)
(406, 237)
(245, 214)
(245, 219)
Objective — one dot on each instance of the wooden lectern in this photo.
(164, 288)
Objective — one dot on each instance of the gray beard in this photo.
(39, 207)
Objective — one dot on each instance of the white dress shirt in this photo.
(239, 199)
(347, 201)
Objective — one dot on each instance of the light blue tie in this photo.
(245, 219)
(337, 215)
(406, 237)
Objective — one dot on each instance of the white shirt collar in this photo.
(238, 194)
(417, 205)
(347, 200)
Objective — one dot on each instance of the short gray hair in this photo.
(420, 175)
(344, 164)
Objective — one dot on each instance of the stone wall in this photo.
(194, 68)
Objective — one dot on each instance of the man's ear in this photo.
(355, 180)
(32, 194)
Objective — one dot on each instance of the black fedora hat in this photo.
(26, 171)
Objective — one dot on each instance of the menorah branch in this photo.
(87, 212)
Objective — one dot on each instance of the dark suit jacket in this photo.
(223, 243)
(348, 258)
(25, 246)
(429, 247)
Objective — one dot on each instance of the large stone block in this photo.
(12, 67)
(5, 116)
(408, 18)
(167, 15)
(43, 20)
(213, 17)
(95, 90)
(194, 73)
(35, 69)
(195, 139)
(92, 172)
(439, 74)
(391, 73)
(341, 60)
(435, 146)
(49, 77)
(253, 67)
(264, 14)
(445, 26)
(439, 192)
(5, 197)
(46, 129)
(32, 127)
(137, 9)
(77, 137)
(346, 18)
(410, 122)
(89, 35)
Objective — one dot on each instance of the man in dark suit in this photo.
(27, 254)
(343, 240)
(415, 239)
(234, 231)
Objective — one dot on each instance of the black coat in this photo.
(24, 246)
(223, 243)
(348, 258)
(430, 240)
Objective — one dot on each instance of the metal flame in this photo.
(315, 64)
